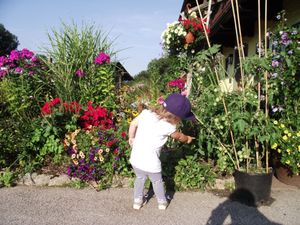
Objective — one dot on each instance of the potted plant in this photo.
(234, 126)
(286, 153)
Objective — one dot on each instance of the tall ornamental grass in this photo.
(72, 64)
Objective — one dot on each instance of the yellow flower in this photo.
(279, 150)
(274, 146)
(299, 148)
(286, 131)
(285, 137)
(75, 161)
(135, 113)
(298, 134)
(127, 110)
(282, 125)
(66, 143)
(101, 158)
(288, 151)
(275, 122)
(95, 158)
(100, 151)
(107, 149)
(81, 154)
(289, 134)
(288, 162)
(129, 120)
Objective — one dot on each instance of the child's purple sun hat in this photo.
(179, 105)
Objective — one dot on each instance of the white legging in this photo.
(157, 183)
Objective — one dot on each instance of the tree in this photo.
(8, 41)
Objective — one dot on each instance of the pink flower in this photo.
(79, 73)
(177, 83)
(184, 93)
(19, 70)
(3, 73)
(275, 63)
(14, 55)
(25, 53)
(102, 58)
(160, 100)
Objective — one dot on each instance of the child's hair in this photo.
(165, 114)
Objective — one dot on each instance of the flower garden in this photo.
(62, 109)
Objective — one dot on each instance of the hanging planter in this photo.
(189, 38)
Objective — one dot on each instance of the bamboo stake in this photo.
(259, 30)
(241, 41)
(239, 25)
(205, 31)
(208, 12)
(266, 79)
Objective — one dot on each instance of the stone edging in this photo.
(35, 179)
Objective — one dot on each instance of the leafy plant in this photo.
(193, 174)
(7, 178)
(286, 146)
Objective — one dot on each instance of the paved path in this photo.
(24, 205)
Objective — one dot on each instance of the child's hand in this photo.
(190, 139)
(131, 141)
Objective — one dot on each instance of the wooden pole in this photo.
(239, 39)
(266, 79)
(208, 12)
(205, 31)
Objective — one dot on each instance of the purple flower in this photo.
(19, 70)
(275, 63)
(14, 55)
(79, 73)
(30, 73)
(3, 61)
(102, 58)
(290, 52)
(285, 38)
(34, 59)
(2, 73)
(25, 53)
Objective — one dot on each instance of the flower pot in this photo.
(189, 38)
(257, 184)
(284, 175)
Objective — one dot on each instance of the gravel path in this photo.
(24, 205)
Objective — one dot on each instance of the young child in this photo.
(148, 132)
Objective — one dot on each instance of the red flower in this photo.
(110, 143)
(46, 108)
(116, 151)
(55, 101)
(123, 135)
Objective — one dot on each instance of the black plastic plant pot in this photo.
(252, 188)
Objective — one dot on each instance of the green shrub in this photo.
(193, 174)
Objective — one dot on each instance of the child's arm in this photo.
(182, 137)
(132, 129)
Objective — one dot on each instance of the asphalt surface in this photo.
(31, 205)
